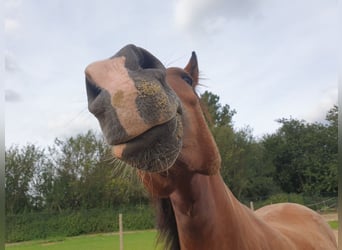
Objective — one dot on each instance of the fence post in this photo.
(121, 232)
(251, 205)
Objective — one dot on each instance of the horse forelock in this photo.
(166, 224)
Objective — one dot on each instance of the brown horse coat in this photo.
(153, 119)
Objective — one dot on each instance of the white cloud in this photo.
(63, 125)
(326, 100)
(11, 21)
(12, 96)
(207, 15)
(11, 25)
(10, 63)
(12, 4)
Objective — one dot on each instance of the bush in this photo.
(280, 198)
(322, 203)
(30, 226)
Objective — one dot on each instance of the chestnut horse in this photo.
(152, 118)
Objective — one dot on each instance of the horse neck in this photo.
(206, 210)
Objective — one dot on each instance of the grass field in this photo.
(333, 224)
(142, 240)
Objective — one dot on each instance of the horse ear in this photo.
(192, 68)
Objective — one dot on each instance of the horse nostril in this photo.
(180, 110)
(92, 90)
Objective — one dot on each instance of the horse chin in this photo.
(156, 150)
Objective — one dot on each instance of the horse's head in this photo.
(151, 115)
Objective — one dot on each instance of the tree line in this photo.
(79, 172)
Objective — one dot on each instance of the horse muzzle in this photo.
(139, 114)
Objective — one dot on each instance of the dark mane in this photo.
(166, 224)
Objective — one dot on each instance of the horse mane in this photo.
(166, 224)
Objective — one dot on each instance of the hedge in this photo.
(43, 225)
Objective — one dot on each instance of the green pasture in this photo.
(333, 224)
(142, 240)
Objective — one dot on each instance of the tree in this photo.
(218, 116)
(21, 165)
(75, 161)
(305, 155)
(243, 167)
(86, 175)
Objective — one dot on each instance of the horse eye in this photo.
(187, 79)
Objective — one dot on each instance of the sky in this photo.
(265, 59)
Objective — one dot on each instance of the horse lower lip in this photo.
(158, 146)
(138, 137)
